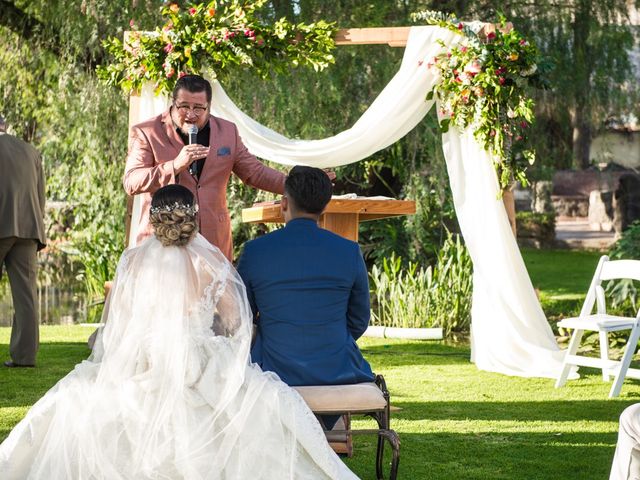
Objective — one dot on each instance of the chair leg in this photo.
(394, 442)
(604, 353)
(629, 350)
(566, 366)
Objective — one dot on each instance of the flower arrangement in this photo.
(483, 85)
(216, 38)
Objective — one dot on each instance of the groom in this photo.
(309, 292)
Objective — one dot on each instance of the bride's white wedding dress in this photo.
(169, 392)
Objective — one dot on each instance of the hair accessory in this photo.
(189, 209)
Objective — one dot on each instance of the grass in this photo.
(562, 278)
(455, 422)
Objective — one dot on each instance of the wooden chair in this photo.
(603, 323)
(368, 399)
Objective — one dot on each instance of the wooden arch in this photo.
(392, 36)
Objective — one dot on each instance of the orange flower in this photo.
(211, 12)
(174, 8)
(513, 57)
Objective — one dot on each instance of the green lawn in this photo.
(455, 422)
(562, 278)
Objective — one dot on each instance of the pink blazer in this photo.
(154, 144)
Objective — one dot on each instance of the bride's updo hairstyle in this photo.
(173, 215)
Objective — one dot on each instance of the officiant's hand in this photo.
(188, 155)
(331, 174)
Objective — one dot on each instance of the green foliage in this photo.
(216, 37)
(438, 296)
(628, 246)
(483, 82)
(624, 293)
(540, 226)
(588, 47)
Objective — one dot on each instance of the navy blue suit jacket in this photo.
(309, 293)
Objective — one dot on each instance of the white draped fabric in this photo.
(169, 392)
(510, 333)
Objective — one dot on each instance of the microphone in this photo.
(192, 130)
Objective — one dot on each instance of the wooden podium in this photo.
(341, 216)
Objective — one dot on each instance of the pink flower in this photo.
(465, 77)
(460, 26)
(132, 23)
(193, 11)
(463, 49)
(501, 80)
(524, 124)
(260, 42)
(170, 73)
(500, 70)
(491, 36)
(168, 48)
(492, 133)
(182, 74)
(473, 68)
(523, 42)
(249, 33)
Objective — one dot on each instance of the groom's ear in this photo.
(284, 203)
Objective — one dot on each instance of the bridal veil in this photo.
(169, 391)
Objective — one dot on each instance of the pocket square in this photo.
(222, 151)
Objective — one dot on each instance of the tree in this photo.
(588, 43)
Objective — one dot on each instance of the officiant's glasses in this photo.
(197, 110)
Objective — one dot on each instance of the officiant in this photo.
(160, 154)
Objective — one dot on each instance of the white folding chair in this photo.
(603, 323)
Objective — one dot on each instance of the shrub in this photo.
(624, 293)
(537, 227)
(436, 296)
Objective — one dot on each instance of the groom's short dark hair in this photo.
(309, 188)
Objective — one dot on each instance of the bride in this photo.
(169, 391)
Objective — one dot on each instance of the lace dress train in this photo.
(169, 392)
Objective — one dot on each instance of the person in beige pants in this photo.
(626, 461)
(22, 199)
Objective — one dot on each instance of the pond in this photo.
(61, 294)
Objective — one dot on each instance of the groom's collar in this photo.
(302, 221)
